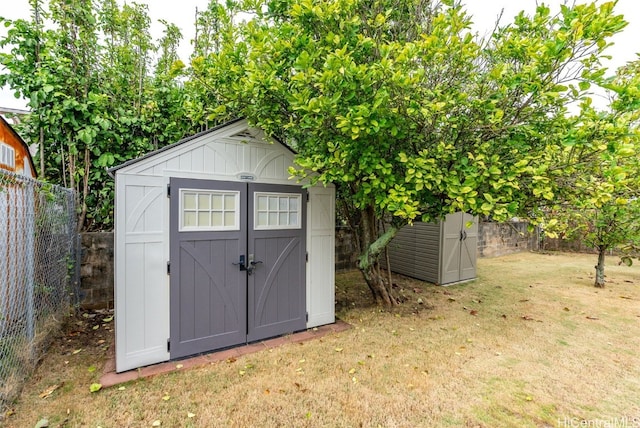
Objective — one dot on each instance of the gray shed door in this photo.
(276, 287)
(237, 263)
(459, 248)
(469, 247)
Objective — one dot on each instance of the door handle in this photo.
(252, 264)
(241, 263)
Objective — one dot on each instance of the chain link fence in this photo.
(38, 244)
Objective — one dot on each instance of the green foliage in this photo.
(414, 118)
(600, 186)
(94, 94)
(418, 118)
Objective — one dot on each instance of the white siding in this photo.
(321, 248)
(141, 292)
(142, 233)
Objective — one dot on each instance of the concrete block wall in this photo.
(346, 250)
(96, 270)
(499, 239)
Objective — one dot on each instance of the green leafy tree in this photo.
(412, 117)
(215, 53)
(601, 192)
(96, 97)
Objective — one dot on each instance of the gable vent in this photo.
(247, 134)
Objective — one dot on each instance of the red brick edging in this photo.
(110, 377)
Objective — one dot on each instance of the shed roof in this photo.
(114, 169)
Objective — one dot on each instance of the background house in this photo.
(14, 152)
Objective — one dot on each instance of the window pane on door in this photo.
(209, 210)
(277, 211)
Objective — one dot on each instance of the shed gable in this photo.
(234, 152)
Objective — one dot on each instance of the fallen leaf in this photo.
(179, 366)
(504, 316)
(338, 349)
(267, 392)
(191, 415)
(473, 312)
(566, 309)
(352, 371)
(302, 360)
(108, 319)
(527, 318)
(95, 327)
(592, 318)
(626, 297)
(95, 387)
(156, 423)
(231, 360)
(42, 423)
(242, 372)
(122, 388)
(166, 398)
(529, 398)
(91, 369)
(524, 300)
(47, 392)
(451, 299)
(77, 351)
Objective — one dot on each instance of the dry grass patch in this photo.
(530, 343)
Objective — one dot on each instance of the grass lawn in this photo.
(531, 342)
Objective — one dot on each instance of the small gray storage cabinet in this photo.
(443, 252)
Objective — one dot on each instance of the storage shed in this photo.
(442, 252)
(215, 247)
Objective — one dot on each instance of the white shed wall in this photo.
(142, 233)
(142, 285)
(321, 248)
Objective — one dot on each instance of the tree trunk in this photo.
(372, 247)
(85, 190)
(600, 268)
